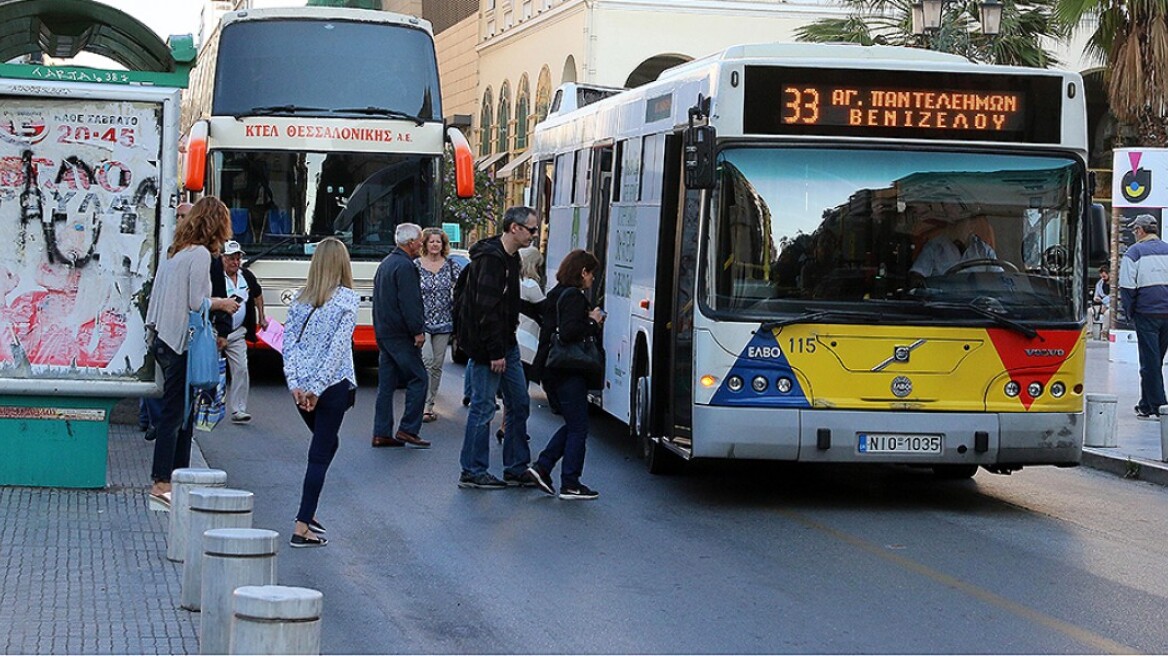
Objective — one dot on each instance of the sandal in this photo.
(160, 502)
(429, 417)
(299, 541)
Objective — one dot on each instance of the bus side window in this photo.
(563, 181)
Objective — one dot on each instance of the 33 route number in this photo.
(801, 105)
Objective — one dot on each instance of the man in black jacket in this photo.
(399, 326)
(488, 315)
(230, 280)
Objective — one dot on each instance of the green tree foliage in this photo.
(480, 212)
(1130, 38)
(889, 22)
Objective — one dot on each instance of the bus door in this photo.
(600, 206)
(541, 192)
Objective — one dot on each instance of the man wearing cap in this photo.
(1143, 290)
(230, 280)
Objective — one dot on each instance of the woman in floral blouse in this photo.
(438, 274)
(318, 364)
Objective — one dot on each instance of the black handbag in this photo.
(582, 357)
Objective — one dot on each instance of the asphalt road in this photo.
(728, 557)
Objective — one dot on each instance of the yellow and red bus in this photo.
(311, 122)
(834, 253)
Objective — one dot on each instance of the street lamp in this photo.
(926, 16)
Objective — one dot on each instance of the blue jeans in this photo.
(484, 384)
(172, 442)
(1152, 339)
(569, 441)
(399, 359)
(149, 412)
(325, 423)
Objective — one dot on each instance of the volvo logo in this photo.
(900, 354)
(901, 387)
(1045, 353)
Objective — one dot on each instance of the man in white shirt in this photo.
(230, 280)
(957, 244)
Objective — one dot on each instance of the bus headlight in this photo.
(1013, 388)
(708, 380)
(784, 384)
(759, 383)
(1034, 389)
(734, 383)
(1058, 389)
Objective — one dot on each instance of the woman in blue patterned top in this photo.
(318, 364)
(438, 274)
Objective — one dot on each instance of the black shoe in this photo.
(578, 491)
(542, 481)
(466, 401)
(1144, 414)
(314, 526)
(299, 541)
(150, 434)
(526, 479)
(483, 481)
(499, 435)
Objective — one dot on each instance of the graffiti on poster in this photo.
(78, 207)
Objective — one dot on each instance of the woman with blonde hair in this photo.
(437, 273)
(181, 285)
(318, 365)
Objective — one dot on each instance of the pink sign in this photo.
(273, 335)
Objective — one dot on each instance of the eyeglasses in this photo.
(529, 229)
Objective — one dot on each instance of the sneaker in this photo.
(579, 491)
(542, 481)
(465, 401)
(240, 417)
(1144, 414)
(483, 481)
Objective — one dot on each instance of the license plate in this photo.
(897, 443)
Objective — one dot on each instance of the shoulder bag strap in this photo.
(310, 313)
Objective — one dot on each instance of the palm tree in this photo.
(1131, 39)
(889, 22)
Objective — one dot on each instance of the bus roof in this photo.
(337, 13)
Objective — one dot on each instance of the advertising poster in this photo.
(79, 202)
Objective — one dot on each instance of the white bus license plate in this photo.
(894, 443)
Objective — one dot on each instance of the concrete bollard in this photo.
(1164, 433)
(274, 619)
(1102, 421)
(211, 508)
(182, 481)
(232, 558)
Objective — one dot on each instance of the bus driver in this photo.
(956, 243)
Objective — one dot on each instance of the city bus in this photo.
(311, 122)
(834, 254)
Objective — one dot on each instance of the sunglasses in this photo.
(529, 229)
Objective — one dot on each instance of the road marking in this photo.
(1097, 642)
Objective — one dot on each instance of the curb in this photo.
(1139, 469)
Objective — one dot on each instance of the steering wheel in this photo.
(982, 261)
(1056, 259)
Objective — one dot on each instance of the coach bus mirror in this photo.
(1098, 244)
(463, 163)
(699, 157)
(194, 161)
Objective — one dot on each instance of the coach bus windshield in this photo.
(281, 201)
(894, 232)
(366, 67)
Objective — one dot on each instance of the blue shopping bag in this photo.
(210, 405)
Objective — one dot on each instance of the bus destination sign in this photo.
(902, 104)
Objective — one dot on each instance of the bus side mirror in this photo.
(194, 162)
(699, 157)
(463, 163)
(1098, 243)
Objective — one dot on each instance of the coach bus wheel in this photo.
(639, 413)
(954, 472)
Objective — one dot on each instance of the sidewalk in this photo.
(1138, 452)
(85, 571)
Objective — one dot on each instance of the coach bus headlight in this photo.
(759, 383)
(734, 383)
(1012, 388)
(1034, 389)
(708, 380)
(1058, 389)
(784, 384)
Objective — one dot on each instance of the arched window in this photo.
(521, 111)
(485, 123)
(503, 118)
(569, 70)
(543, 94)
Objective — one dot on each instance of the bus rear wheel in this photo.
(954, 472)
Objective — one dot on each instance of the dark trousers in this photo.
(399, 360)
(325, 423)
(172, 442)
(569, 441)
(1152, 339)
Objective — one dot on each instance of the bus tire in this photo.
(639, 412)
(954, 472)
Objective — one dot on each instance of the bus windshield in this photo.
(895, 232)
(361, 67)
(280, 200)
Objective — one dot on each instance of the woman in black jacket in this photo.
(568, 311)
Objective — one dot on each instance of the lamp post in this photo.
(928, 21)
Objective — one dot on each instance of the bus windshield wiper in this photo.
(816, 315)
(382, 111)
(1016, 326)
(265, 110)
